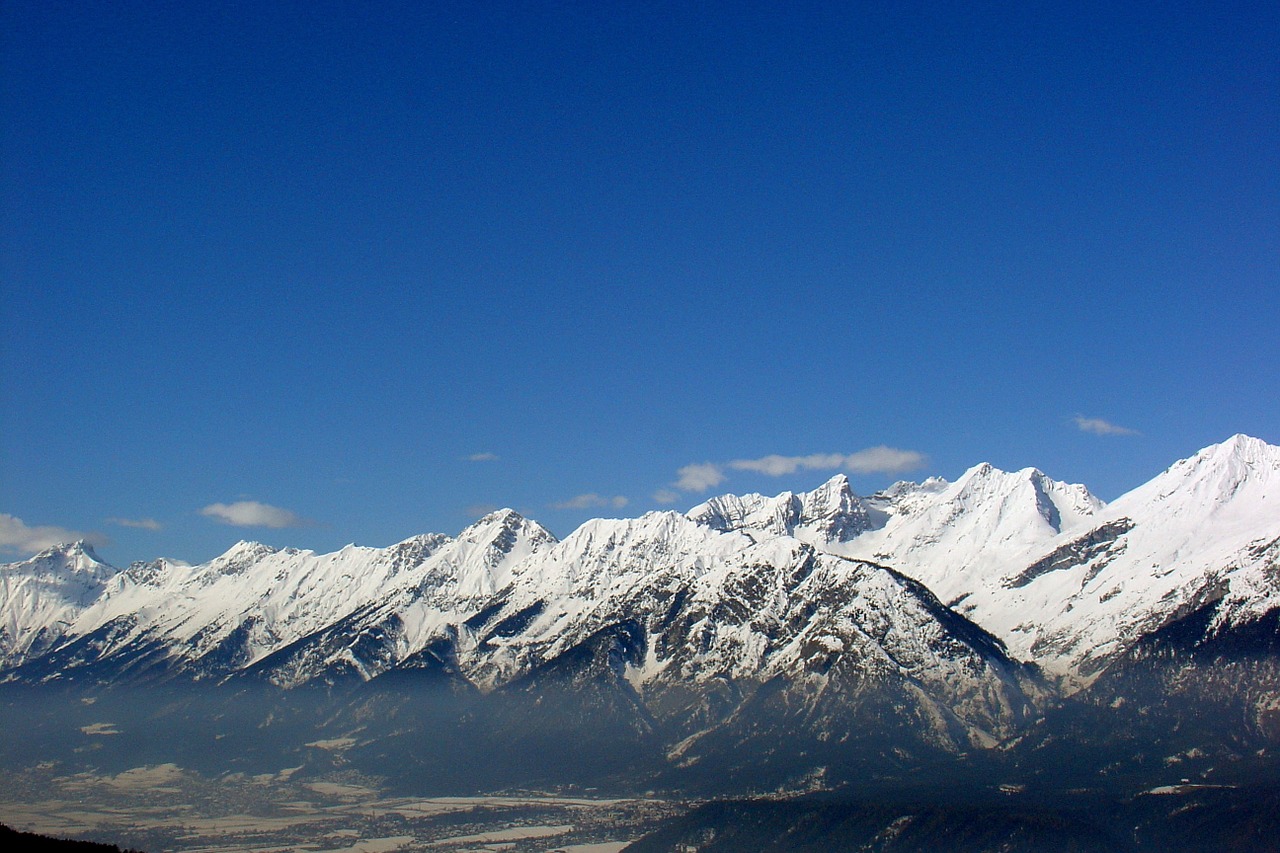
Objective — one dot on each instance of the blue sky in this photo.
(330, 272)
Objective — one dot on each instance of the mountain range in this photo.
(929, 619)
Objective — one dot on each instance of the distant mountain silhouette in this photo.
(11, 839)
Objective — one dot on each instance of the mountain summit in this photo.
(42, 596)
(830, 513)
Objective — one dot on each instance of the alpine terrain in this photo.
(1009, 627)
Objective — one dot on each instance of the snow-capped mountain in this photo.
(828, 596)
(42, 597)
(224, 615)
(1206, 530)
(666, 609)
(744, 614)
(955, 538)
(662, 612)
(1063, 579)
(831, 513)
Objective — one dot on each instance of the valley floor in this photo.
(167, 808)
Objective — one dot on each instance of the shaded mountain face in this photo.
(1199, 698)
(861, 632)
(777, 642)
(1208, 820)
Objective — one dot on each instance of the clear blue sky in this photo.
(359, 270)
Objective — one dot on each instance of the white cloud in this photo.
(775, 465)
(16, 535)
(1098, 426)
(665, 496)
(253, 514)
(592, 501)
(873, 460)
(883, 460)
(139, 523)
(699, 477)
(482, 457)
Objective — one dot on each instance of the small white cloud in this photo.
(253, 514)
(873, 460)
(1098, 426)
(482, 457)
(16, 535)
(139, 523)
(665, 496)
(883, 460)
(592, 501)
(699, 477)
(775, 465)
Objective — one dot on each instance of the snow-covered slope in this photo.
(1061, 578)
(683, 610)
(830, 629)
(953, 537)
(829, 514)
(1207, 528)
(227, 614)
(41, 597)
(678, 609)
(956, 537)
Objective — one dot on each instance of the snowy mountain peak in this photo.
(79, 548)
(1200, 531)
(958, 537)
(835, 495)
(503, 527)
(1240, 470)
(151, 571)
(506, 515)
(831, 512)
(245, 546)
(71, 558)
(41, 597)
(984, 481)
(930, 484)
(1059, 504)
(484, 554)
(838, 483)
(986, 476)
(1061, 578)
(240, 556)
(1245, 446)
(900, 492)
(834, 511)
(1238, 457)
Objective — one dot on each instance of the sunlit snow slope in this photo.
(1062, 579)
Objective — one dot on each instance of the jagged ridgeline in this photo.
(754, 642)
